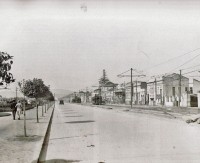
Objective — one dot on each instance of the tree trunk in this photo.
(37, 114)
(25, 134)
(45, 108)
(42, 111)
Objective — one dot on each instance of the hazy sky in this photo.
(68, 47)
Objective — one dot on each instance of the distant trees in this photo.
(5, 66)
(36, 89)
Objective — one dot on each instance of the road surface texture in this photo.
(96, 135)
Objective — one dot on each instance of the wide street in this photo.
(94, 135)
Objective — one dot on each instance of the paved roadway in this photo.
(95, 135)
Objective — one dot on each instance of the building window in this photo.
(191, 90)
(186, 89)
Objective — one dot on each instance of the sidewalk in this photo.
(15, 148)
(181, 110)
(170, 112)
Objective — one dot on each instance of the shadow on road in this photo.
(73, 137)
(69, 112)
(4, 114)
(58, 161)
(75, 116)
(80, 121)
(29, 138)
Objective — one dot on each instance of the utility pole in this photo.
(140, 75)
(113, 94)
(131, 88)
(124, 92)
(155, 90)
(86, 95)
(100, 98)
(180, 89)
(54, 100)
(136, 93)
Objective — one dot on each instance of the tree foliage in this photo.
(49, 96)
(5, 66)
(34, 88)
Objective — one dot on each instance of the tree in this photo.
(5, 66)
(49, 96)
(34, 89)
(104, 79)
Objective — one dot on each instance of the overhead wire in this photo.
(191, 71)
(174, 58)
(124, 72)
(191, 67)
(186, 62)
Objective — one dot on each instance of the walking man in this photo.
(18, 106)
(13, 108)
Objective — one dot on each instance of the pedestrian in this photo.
(13, 108)
(19, 107)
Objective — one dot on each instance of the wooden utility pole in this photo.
(136, 92)
(86, 91)
(54, 100)
(121, 75)
(131, 88)
(155, 90)
(113, 94)
(179, 103)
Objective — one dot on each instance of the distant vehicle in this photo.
(61, 102)
(97, 100)
(76, 100)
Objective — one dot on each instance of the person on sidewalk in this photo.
(13, 108)
(19, 107)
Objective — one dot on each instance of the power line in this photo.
(138, 72)
(123, 73)
(186, 62)
(191, 67)
(191, 71)
(173, 58)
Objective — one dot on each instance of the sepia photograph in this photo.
(100, 81)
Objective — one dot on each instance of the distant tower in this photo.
(104, 79)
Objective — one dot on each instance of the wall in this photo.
(173, 81)
(196, 86)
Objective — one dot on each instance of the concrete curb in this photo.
(40, 144)
(43, 151)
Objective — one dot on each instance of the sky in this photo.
(69, 43)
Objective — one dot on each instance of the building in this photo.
(155, 92)
(119, 96)
(165, 90)
(107, 91)
(139, 93)
(192, 92)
